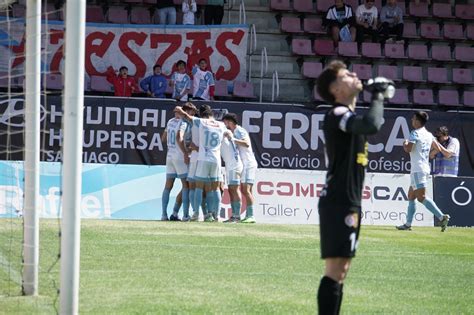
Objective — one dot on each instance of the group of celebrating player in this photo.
(196, 142)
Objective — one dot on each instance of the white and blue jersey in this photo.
(202, 81)
(246, 153)
(181, 82)
(420, 153)
(175, 166)
(233, 163)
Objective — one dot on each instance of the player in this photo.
(242, 140)
(211, 133)
(233, 167)
(176, 165)
(419, 145)
(346, 150)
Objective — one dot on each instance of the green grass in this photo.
(202, 268)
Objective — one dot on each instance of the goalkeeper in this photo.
(347, 156)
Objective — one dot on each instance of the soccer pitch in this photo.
(132, 267)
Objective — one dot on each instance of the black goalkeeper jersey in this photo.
(347, 155)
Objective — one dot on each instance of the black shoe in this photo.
(174, 218)
(403, 227)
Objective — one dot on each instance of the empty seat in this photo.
(448, 97)
(437, 75)
(371, 50)
(314, 26)
(462, 76)
(100, 84)
(312, 69)
(282, 5)
(389, 72)
(418, 10)
(95, 14)
(468, 98)
(409, 30)
(413, 74)
(402, 6)
(470, 31)
(291, 24)
(243, 89)
(323, 5)
(464, 11)
(117, 15)
(140, 15)
(395, 51)
(54, 82)
(442, 10)
(348, 49)
(463, 53)
(221, 88)
(324, 47)
(363, 71)
(304, 6)
(423, 97)
(441, 53)
(301, 47)
(400, 97)
(430, 30)
(418, 52)
(453, 31)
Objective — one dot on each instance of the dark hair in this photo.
(189, 106)
(123, 67)
(205, 111)
(442, 131)
(202, 59)
(231, 117)
(156, 66)
(180, 62)
(326, 78)
(422, 117)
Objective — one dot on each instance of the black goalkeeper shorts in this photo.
(339, 230)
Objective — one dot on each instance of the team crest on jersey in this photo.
(352, 220)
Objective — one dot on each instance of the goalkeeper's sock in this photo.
(197, 199)
(329, 296)
(235, 205)
(165, 198)
(185, 194)
(410, 212)
(249, 211)
(191, 199)
(431, 205)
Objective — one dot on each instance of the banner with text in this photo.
(454, 195)
(138, 47)
(128, 131)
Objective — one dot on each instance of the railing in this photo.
(275, 86)
(252, 48)
(242, 12)
(263, 69)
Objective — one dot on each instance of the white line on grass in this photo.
(9, 270)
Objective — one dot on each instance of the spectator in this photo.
(391, 17)
(341, 22)
(367, 19)
(181, 82)
(189, 8)
(155, 84)
(203, 82)
(446, 160)
(124, 85)
(214, 12)
(166, 11)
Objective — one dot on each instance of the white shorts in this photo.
(207, 172)
(234, 176)
(418, 180)
(192, 171)
(176, 168)
(248, 175)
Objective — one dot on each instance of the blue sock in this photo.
(218, 201)
(197, 199)
(249, 211)
(185, 194)
(165, 198)
(176, 208)
(204, 206)
(410, 212)
(211, 201)
(431, 205)
(235, 205)
(191, 198)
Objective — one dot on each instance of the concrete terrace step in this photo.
(284, 65)
(290, 90)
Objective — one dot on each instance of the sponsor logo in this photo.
(12, 112)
